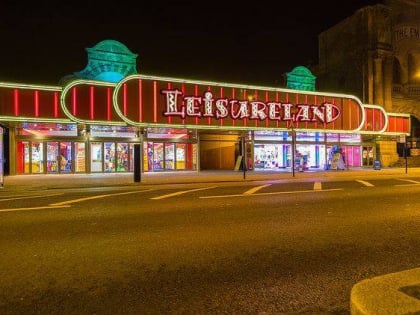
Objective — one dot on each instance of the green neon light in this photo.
(37, 119)
(30, 86)
(301, 78)
(108, 61)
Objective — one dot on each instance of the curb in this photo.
(396, 293)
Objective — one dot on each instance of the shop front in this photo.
(312, 150)
(90, 126)
(49, 148)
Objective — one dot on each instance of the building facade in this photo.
(375, 55)
(93, 121)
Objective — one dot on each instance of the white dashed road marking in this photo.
(413, 182)
(95, 197)
(367, 184)
(255, 189)
(181, 193)
(28, 197)
(33, 208)
(271, 193)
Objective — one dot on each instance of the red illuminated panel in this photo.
(144, 100)
(29, 102)
(398, 124)
(375, 119)
(90, 102)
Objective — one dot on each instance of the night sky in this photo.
(218, 40)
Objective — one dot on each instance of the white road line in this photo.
(255, 189)
(317, 186)
(272, 193)
(33, 208)
(181, 193)
(367, 184)
(29, 197)
(96, 197)
(414, 182)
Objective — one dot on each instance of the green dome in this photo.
(110, 61)
(301, 78)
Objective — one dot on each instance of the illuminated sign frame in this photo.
(188, 104)
(254, 107)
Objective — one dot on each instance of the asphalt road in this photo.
(223, 248)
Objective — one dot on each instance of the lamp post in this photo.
(293, 133)
(243, 148)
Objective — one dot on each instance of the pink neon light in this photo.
(266, 99)
(92, 102)
(297, 102)
(36, 99)
(183, 103)
(221, 96)
(306, 102)
(169, 117)
(125, 99)
(325, 125)
(256, 98)
(196, 94)
(244, 95)
(350, 115)
(233, 97)
(373, 119)
(381, 120)
(287, 101)
(73, 101)
(108, 104)
(140, 100)
(154, 101)
(315, 103)
(55, 104)
(277, 99)
(16, 102)
(208, 118)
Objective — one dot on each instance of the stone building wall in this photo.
(375, 55)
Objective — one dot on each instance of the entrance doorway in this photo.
(367, 155)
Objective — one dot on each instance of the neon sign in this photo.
(178, 104)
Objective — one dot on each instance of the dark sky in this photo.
(216, 40)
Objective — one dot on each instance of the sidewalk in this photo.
(54, 181)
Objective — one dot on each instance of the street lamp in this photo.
(293, 133)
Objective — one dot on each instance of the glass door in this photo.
(158, 156)
(96, 156)
(65, 157)
(367, 156)
(180, 156)
(109, 158)
(169, 156)
(37, 157)
(52, 157)
(122, 157)
(79, 157)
